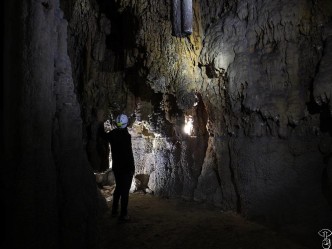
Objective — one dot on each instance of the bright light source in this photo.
(189, 125)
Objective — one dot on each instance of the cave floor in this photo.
(161, 223)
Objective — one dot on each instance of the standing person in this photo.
(123, 165)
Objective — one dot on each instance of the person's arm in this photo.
(108, 127)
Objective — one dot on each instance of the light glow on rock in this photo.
(189, 125)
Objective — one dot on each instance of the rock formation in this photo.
(254, 77)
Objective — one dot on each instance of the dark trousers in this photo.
(123, 183)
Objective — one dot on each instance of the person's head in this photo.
(121, 121)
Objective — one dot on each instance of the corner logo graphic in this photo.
(325, 233)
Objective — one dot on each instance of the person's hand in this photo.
(107, 126)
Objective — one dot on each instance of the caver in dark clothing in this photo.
(123, 167)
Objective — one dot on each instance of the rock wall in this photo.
(267, 59)
(48, 187)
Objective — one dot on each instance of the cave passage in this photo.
(229, 105)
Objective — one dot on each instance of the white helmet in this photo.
(122, 121)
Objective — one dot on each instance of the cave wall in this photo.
(274, 122)
(49, 193)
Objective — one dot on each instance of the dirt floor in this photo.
(161, 223)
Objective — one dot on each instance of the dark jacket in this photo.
(122, 152)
